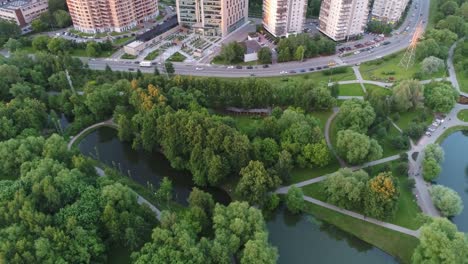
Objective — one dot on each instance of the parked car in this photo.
(249, 67)
(238, 67)
(312, 69)
(266, 66)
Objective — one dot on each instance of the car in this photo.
(238, 67)
(357, 52)
(431, 129)
(136, 62)
(386, 43)
(252, 74)
(293, 71)
(428, 134)
(230, 67)
(266, 66)
(303, 70)
(283, 72)
(131, 69)
(325, 67)
(199, 68)
(312, 69)
(249, 67)
(319, 68)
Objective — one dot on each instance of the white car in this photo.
(428, 134)
(199, 68)
(357, 52)
(436, 124)
(230, 67)
(431, 129)
(283, 72)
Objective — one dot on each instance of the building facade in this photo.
(95, 16)
(212, 17)
(284, 17)
(388, 10)
(22, 12)
(343, 19)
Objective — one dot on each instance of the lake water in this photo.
(455, 172)
(300, 239)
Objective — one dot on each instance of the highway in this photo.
(398, 42)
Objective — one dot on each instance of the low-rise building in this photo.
(251, 50)
(22, 12)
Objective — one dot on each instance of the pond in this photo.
(143, 167)
(455, 172)
(300, 239)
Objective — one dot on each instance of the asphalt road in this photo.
(398, 42)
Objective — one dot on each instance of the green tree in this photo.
(432, 64)
(12, 45)
(164, 193)
(356, 115)
(346, 188)
(265, 150)
(8, 30)
(431, 169)
(449, 8)
(264, 55)
(440, 97)
(55, 5)
(169, 67)
(255, 183)
(93, 49)
(446, 200)
(62, 18)
(295, 200)
(38, 26)
(299, 54)
(408, 94)
(259, 251)
(40, 42)
(357, 148)
(440, 242)
(232, 52)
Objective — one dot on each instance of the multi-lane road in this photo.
(418, 12)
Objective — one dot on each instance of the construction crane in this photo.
(408, 58)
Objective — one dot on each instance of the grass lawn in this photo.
(322, 116)
(152, 55)
(388, 149)
(407, 118)
(177, 57)
(127, 56)
(82, 53)
(122, 41)
(462, 81)
(386, 68)
(298, 174)
(463, 115)
(392, 242)
(353, 89)
(370, 87)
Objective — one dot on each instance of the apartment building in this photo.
(343, 19)
(22, 12)
(284, 17)
(212, 17)
(388, 10)
(95, 16)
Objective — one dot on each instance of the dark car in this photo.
(319, 68)
(136, 62)
(131, 69)
(325, 67)
(266, 66)
(303, 70)
(386, 43)
(249, 67)
(238, 67)
(293, 71)
(312, 69)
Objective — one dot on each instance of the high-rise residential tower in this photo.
(212, 17)
(388, 10)
(93, 16)
(283, 17)
(342, 19)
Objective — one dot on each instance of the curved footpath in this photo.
(101, 173)
(451, 69)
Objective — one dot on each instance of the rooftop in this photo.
(251, 46)
(134, 44)
(15, 4)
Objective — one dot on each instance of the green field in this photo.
(298, 174)
(407, 118)
(126, 56)
(353, 89)
(387, 69)
(152, 55)
(177, 57)
(463, 115)
(123, 41)
(370, 87)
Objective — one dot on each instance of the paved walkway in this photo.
(385, 84)
(101, 173)
(349, 97)
(359, 78)
(451, 68)
(108, 123)
(327, 136)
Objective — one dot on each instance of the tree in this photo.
(432, 64)
(259, 251)
(431, 169)
(299, 54)
(345, 188)
(58, 45)
(62, 18)
(201, 199)
(8, 30)
(38, 26)
(295, 200)
(356, 115)
(379, 27)
(381, 197)
(164, 193)
(92, 49)
(408, 94)
(255, 182)
(434, 151)
(440, 242)
(449, 8)
(40, 42)
(265, 150)
(9, 75)
(12, 45)
(55, 5)
(357, 148)
(232, 52)
(264, 55)
(446, 200)
(440, 97)
(169, 67)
